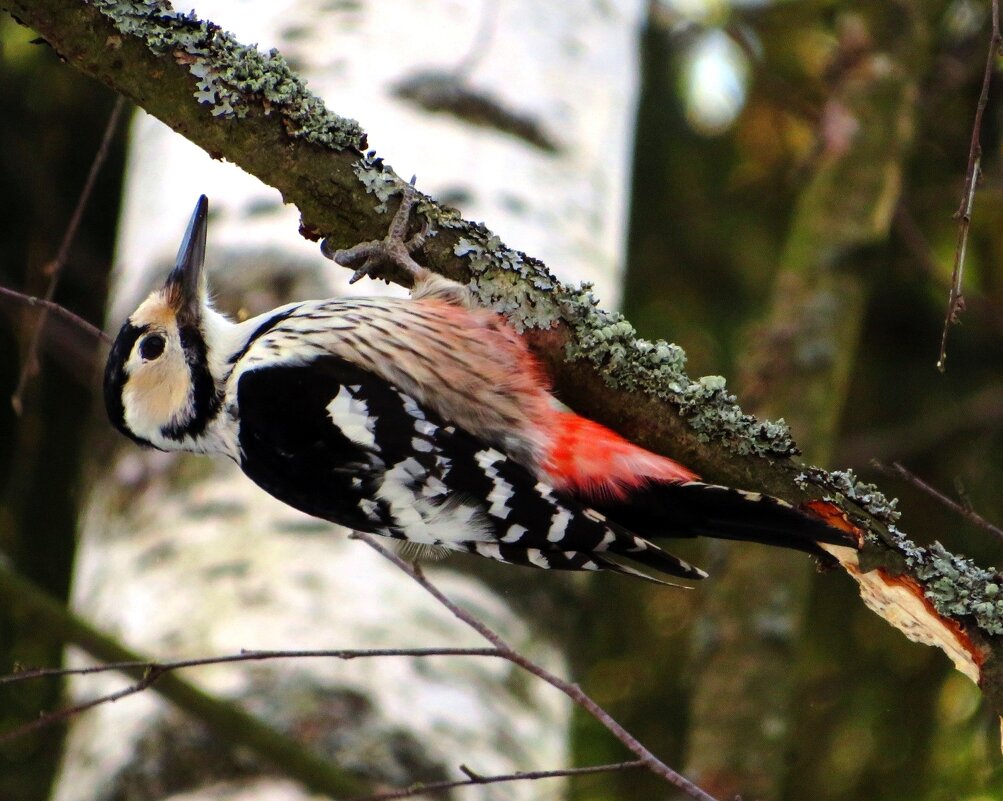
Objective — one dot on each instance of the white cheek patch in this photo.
(157, 393)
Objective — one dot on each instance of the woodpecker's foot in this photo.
(368, 258)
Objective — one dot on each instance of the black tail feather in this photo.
(695, 509)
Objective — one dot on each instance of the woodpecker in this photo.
(424, 419)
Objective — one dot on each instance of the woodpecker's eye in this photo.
(151, 347)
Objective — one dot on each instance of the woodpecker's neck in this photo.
(211, 428)
(212, 352)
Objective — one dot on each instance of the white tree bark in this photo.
(185, 557)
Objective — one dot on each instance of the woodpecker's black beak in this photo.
(186, 283)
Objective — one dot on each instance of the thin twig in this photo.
(55, 268)
(573, 691)
(154, 670)
(965, 511)
(60, 311)
(956, 298)
(923, 258)
(58, 715)
(474, 778)
(245, 656)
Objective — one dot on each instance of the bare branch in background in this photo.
(153, 671)
(244, 656)
(956, 298)
(962, 509)
(49, 307)
(475, 778)
(54, 268)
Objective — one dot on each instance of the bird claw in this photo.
(368, 258)
(368, 267)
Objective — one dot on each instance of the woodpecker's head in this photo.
(158, 386)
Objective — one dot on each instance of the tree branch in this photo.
(474, 778)
(54, 268)
(969, 514)
(249, 108)
(243, 729)
(60, 311)
(956, 298)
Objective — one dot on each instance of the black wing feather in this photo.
(290, 448)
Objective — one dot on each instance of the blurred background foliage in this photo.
(728, 136)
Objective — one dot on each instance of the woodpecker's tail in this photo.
(695, 509)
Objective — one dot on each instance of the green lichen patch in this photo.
(956, 586)
(845, 485)
(378, 180)
(232, 77)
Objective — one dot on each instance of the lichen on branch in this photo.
(230, 74)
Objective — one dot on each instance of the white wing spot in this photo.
(502, 492)
(559, 525)
(487, 458)
(420, 444)
(421, 515)
(351, 416)
(514, 533)
(411, 407)
(488, 549)
(401, 501)
(410, 467)
(425, 428)
(434, 488)
(544, 490)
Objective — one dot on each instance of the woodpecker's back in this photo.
(424, 419)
